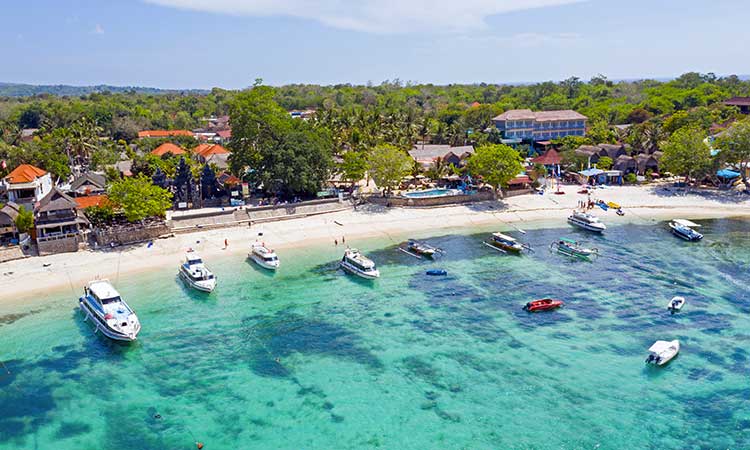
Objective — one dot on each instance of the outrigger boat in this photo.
(586, 221)
(358, 264)
(569, 247)
(544, 304)
(662, 352)
(264, 256)
(417, 248)
(108, 311)
(684, 229)
(196, 274)
(506, 243)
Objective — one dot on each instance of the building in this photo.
(164, 133)
(427, 154)
(8, 215)
(168, 148)
(90, 183)
(743, 103)
(550, 160)
(594, 152)
(540, 125)
(58, 223)
(26, 185)
(212, 154)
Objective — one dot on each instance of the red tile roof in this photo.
(551, 157)
(25, 173)
(521, 179)
(527, 114)
(167, 147)
(206, 150)
(91, 200)
(224, 134)
(738, 101)
(164, 133)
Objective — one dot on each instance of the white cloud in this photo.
(375, 16)
(98, 29)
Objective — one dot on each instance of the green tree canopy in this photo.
(353, 166)
(138, 198)
(388, 165)
(735, 146)
(496, 164)
(604, 163)
(686, 153)
(24, 220)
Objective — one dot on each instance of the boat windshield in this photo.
(271, 258)
(107, 301)
(193, 261)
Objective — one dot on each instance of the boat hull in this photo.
(263, 263)
(543, 305)
(207, 287)
(587, 226)
(686, 237)
(506, 247)
(101, 324)
(360, 273)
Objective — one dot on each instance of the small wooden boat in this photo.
(506, 243)
(418, 248)
(614, 205)
(676, 304)
(662, 352)
(544, 304)
(573, 249)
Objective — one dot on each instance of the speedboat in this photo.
(662, 352)
(358, 264)
(264, 256)
(573, 248)
(586, 221)
(684, 229)
(506, 243)
(545, 304)
(419, 248)
(108, 311)
(676, 304)
(195, 274)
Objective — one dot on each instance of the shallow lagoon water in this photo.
(312, 358)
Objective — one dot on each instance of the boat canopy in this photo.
(660, 346)
(591, 172)
(504, 236)
(686, 223)
(103, 290)
(568, 241)
(193, 257)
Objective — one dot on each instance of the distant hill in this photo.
(28, 90)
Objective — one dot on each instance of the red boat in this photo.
(544, 304)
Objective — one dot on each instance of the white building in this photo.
(26, 185)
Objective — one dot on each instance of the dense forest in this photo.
(103, 126)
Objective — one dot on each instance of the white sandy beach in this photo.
(26, 277)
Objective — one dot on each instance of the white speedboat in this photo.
(586, 221)
(195, 274)
(356, 263)
(108, 311)
(662, 352)
(676, 304)
(264, 256)
(684, 229)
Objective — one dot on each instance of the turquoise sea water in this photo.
(310, 358)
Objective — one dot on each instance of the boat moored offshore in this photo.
(358, 264)
(506, 243)
(569, 247)
(662, 352)
(586, 221)
(195, 274)
(676, 304)
(544, 304)
(108, 311)
(683, 229)
(419, 248)
(264, 256)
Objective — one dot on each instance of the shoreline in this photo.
(73, 270)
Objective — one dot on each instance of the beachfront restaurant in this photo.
(598, 176)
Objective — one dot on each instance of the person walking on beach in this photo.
(336, 242)
(226, 243)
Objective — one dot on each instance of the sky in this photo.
(183, 44)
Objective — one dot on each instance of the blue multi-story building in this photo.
(525, 124)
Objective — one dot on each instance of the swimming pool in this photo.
(432, 193)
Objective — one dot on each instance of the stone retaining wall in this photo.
(430, 201)
(64, 245)
(131, 234)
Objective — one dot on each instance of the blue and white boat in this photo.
(264, 256)
(195, 274)
(684, 229)
(586, 221)
(108, 311)
(358, 264)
